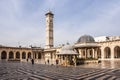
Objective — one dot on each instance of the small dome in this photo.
(67, 47)
(67, 50)
(85, 39)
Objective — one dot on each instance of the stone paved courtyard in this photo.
(27, 71)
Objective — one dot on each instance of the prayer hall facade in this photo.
(86, 47)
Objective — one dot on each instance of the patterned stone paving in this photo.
(27, 71)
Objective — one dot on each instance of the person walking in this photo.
(48, 61)
(57, 61)
(32, 61)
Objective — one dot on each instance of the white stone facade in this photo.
(103, 48)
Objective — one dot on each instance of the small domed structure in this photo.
(67, 50)
(86, 39)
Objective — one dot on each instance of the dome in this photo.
(67, 50)
(67, 47)
(85, 39)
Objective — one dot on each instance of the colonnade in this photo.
(11, 55)
(112, 52)
(89, 53)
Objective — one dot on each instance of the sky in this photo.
(22, 22)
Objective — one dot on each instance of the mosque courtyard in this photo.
(27, 71)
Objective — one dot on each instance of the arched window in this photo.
(23, 55)
(99, 53)
(117, 52)
(4, 55)
(39, 55)
(11, 55)
(29, 55)
(17, 55)
(91, 54)
(107, 52)
(35, 55)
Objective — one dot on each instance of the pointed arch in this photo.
(23, 55)
(11, 55)
(4, 55)
(117, 52)
(17, 55)
(39, 55)
(99, 53)
(29, 55)
(107, 52)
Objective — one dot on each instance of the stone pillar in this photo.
(85, 53)
(26, 55)
(88, 53)
(14, 53)
(102, 53)
(7, 55)
(80, 53)
(96, 54)
(32, 55)
(37, 55)
(20, 55)
(93, 51)
(112, 53)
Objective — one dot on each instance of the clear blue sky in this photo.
(22, 22)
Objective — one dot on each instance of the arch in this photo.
(35, 55)
(99, 53)
(29, 55)
(39, 55)
(107, 52)
(90, 53)
(4, 55)
(23, 55)
(11, 55)
(17, 55)
(117, 52)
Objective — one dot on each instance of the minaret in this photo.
(49, 29)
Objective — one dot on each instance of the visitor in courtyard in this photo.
(27, 60)
(48, 61)
(57, 61)
(32, 61)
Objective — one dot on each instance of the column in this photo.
(93, 52)
(14, 53)
(7, 55)
(26, 55)
(88, 53)
(32, 55)
(102, 53)
(112, 53)
(80, 53)
(37, 55)
(20, 55)
(85, 53)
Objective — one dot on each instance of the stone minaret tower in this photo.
(49, 29)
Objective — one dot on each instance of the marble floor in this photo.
(27, 71)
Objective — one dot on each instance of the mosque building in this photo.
(86, 47)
